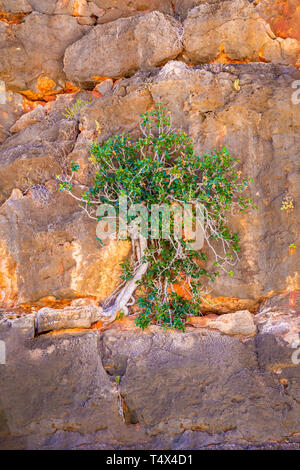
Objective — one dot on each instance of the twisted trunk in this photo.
(123, 298)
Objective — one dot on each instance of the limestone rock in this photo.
(36, 154)
(283, 17)
(235, 29)
(279, 316)
(25, 323)
(36, 46)
(237, 323)
(49, 247)
(226, 369)
(21, 6)
(32, 117)
(49, 319)
(112, 11)
(60, 391)
(62, 387)
(104, 87)
(121, 47)
(11, 109)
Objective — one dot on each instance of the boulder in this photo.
(37, 153)
(21, 6)
(105, 86)
(283, 17)
(35, 47)
(63, 390)
(237, 323)
(49, 319)
(235, 30)
(111, 11)
(28, 119)
(121, 47)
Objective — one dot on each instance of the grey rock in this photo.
(49, 319)
(192, 390)
(28, 119)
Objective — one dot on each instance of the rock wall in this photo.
(226, 71)
(230, 84)
(128, 389)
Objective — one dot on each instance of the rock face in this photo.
(236, 29)
(152, 389)
(48, 247)
(226, 72)
(36, 47)
(120, 48)
(253, 122)
(257, 119)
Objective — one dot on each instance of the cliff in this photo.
(228, 73)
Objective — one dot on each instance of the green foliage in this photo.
(162, 167)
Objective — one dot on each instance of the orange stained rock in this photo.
(29, 105)
(292, 249)
(283, 17)
(79, 7)
(50, 97)
(224, 58)
(45, 84)
(46, 93)
(12, 18)
(200, 322)
(99, 78)
(97, 325)
(292, 298)
(228, 304)
(96, 93)
(70, 88)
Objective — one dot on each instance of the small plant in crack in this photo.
(72, 112)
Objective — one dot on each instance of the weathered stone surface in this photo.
(235, 29)
(48, 247)
(121, 47)
(278, 341)
(279, 316)
(36, 47)
(33, 117)
(237, 323)
(225, 386)
(283, 17)
(61, 386)
(105, 87)
(124, 8)
(36, 154)
(258, 124)
(10, 110)
(183, 390)
(49, 319)
(20, 6)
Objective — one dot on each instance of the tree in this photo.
(161, 168)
